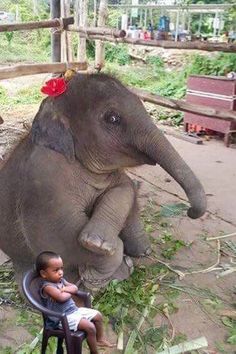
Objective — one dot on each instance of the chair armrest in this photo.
(43, 309)
(63, 319)
(86, 297)
(51, 313)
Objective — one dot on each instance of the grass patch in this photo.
(153, 220)
(231, 325)
(171, 245)
(151, 217)
(31, 47)
(24, 96)
(124, 302)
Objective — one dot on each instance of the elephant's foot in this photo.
(96, 244)
(137, 247)
(88, 287)
(19, 270)
(125, 269)
(91, 280)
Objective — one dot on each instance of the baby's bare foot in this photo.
(105, 343)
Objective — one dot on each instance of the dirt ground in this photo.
(214, 164)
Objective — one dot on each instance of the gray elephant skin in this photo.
(64, 188)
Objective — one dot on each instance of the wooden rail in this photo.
(206, 46)
(56, 22)
(32, 69)
(98, 31)
(181, 105)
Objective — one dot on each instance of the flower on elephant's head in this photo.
(54, 87)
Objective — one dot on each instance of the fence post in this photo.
(100, 46)
(66, 36)
(56, 35)
(82, 12)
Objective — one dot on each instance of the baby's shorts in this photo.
(75, 317)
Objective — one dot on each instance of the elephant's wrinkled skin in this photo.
(64, 189)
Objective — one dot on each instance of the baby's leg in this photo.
(89, 328)
(101, 341)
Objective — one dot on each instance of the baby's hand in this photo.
(62, 289)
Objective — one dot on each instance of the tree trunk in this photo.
(100, 46)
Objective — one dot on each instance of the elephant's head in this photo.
(106, 127)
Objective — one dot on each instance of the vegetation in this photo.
(124, 303)
(24, 96)
(155, 77)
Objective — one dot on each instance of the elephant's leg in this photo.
(136, 242)
(100, 234)
(20, 268)
(99, 270)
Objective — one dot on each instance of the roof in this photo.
(207, 8)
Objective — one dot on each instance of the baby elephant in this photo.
(64, 188)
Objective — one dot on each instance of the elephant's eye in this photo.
(112, 117)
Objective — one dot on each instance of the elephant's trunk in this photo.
(158, 148)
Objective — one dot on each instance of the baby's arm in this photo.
(69, 288)
(56, 294)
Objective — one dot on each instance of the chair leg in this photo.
(60, 349)
(44, 343)
(78, 346)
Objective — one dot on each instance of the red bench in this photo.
(213, 91)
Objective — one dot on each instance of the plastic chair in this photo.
(73, 340)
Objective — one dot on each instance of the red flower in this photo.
(54, 87)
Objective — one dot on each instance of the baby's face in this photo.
(54, 271)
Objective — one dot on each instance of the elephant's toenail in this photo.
(108, 248)
(148, 251)
(128, 261)
(92, 240)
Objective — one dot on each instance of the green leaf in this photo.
(232, 339)
(227, 321)
(170, 210)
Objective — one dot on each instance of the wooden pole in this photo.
(99, 30)
(31, 69)
(69, 47)
(56, 35)
(83, 15)
(95, 13)
(177, 26)
(151, 17)
(215, 23)
(56, 22)
(63, 34)
(100, 47)
(184, 19)
(189, 22)
(66, 48)
(200, 24)
(210, 47)
(145, 18)
(181, 105)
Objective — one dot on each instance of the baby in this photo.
(56, 294)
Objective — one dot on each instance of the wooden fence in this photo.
(101, 34)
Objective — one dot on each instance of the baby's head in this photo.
(49, 266)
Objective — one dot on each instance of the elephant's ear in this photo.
(52, 130)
